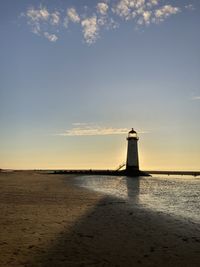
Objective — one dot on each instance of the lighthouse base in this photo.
(134, 172)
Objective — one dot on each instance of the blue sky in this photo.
(76, 75)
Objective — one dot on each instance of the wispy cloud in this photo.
(40, 14)
(81, 123)
(190, 7)
(55, 18)
(196, 98)
(40, 19)
(90, 29)
(51, 37)
(165, 11)
(73, 15)
(89, 129)
(106, 14)
(102, 8)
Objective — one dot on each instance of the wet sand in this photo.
(48, 221)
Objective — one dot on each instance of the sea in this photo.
(174, 195)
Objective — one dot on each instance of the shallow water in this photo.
(177, 196)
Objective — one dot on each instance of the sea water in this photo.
(178, 196)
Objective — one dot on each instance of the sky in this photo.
(76, 76)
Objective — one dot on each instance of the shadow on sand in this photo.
(118, 232)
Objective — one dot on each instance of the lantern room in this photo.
(132, 135)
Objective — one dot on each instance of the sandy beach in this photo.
(46, 220)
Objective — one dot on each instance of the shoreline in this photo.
(46, 220)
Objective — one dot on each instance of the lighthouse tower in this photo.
(132, 162)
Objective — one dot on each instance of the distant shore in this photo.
(48, 221)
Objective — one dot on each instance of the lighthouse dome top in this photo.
(132, 131)
(132, 134)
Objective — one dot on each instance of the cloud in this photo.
(107, 14)
(146, 16)
(190, 7)
(80, 123)
(196, 98)
(129, 9)
(143, 11)
(73, 15)
(90, 29)
(35, 17)
(102, 8)
(90, 129)
(165, 12)
(151, 3)
(55, 18)
(50, 37)
(123, 9)
(37, 14)
(40, 19)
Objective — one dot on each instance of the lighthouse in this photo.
(132, 161)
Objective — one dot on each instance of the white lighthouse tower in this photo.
(132, 162)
